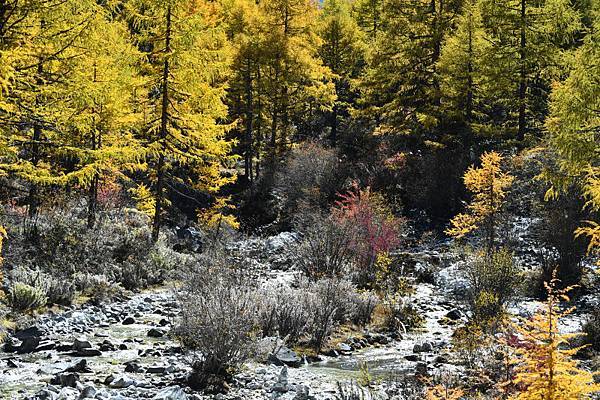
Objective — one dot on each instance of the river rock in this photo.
(121, 382)
(80, 366)
(286, 356)
(454, 314)
(88, 392)
(302, 393)
(33, 331)
(81, 344)
(171, 393)
(69, 379)
(128, 321)
(281, 386)
(29, 344)
(133, 366)
(155, 333)
(89, 352)
(344, 347)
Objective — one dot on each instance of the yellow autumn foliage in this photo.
(544, 364)
(488, 185)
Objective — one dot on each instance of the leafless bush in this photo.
(328, 303)
(218, 322)
(363, 307)
(309, 177)
(326, 248)
(283, 314)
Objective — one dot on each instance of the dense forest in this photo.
(290, 199)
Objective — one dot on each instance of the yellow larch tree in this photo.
(488, 185)
(186, 62)
(545, 368)
(101, 94)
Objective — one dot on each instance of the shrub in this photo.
(57, 290)
(119, 247)
(218, 320)
(313, 309)
(352, 391)
(283, 314)
(377, 229)
(98, 287)
(591, 328)
(363, 306)
(22, 297)
(325, 250)
(328, 303)
(493, 281)
(310, 178)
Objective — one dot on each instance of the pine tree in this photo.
(369, 16)
(293, 78)
(526, 42)
(574, 123)
(245, 29)
(401, 84)
(187, 59)
(545, 368)
(342, 51)
(461, 71)
(488, 185)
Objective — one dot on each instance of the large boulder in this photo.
(286, 356)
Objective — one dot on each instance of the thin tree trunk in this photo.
(33, 200)
(522, 74)
(93, 190)
(249, 118)
(160, 168)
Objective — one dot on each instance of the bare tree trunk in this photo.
(160, 168)
(522, 74)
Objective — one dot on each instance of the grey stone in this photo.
(69, 379)
(171, 393)
(29, 344)
(286, 356)
(155, 333)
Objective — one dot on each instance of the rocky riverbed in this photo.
(123, 350)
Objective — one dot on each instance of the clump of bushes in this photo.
(493, 282)
(22, 297)
(309, 179)
(119, 247)
(377, 230)
(282, 314)
(218, 322)
(312, 310)
(56, 289)
(326, 249)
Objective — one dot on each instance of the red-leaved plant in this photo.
(377, 230)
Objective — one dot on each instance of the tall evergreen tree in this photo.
(527, 38)
(293, 76)
(186, 62)
(574, 126)
(401, 84)
(462, 73)
(100, 94)
(342, 50)
(38, 40)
